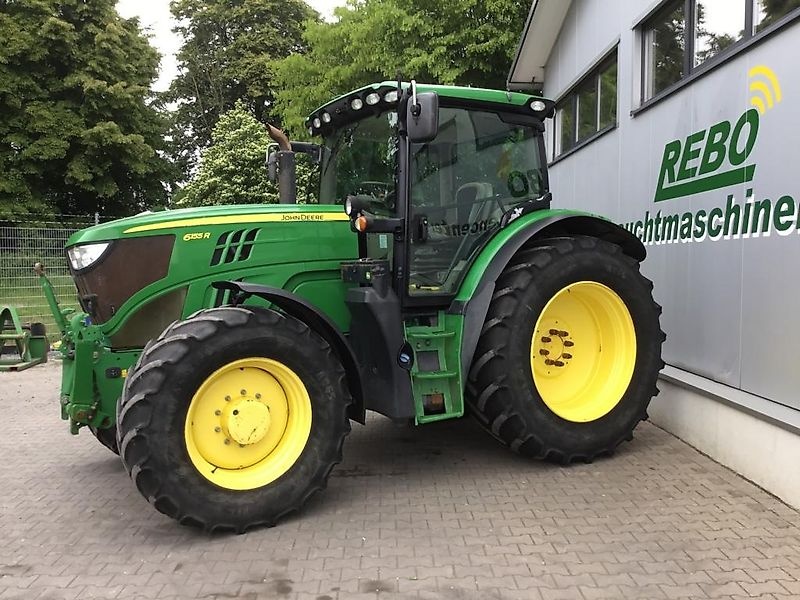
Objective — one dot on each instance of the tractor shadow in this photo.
(382, 460)
(401, 459)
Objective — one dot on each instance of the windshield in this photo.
(360, 160)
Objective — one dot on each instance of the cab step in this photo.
(436, 375)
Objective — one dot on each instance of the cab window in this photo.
(360, 160)
(479, 166)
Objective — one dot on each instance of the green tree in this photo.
(233, 169)
(468, 42)
(79, 131)
(227, 57)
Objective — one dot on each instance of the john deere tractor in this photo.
(223, 352)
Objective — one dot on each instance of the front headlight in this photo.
(85, 256)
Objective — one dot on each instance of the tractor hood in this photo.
(163, 260)
(187, 220)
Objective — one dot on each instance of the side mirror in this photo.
(314, 151)
(272, 163)
(422, 117)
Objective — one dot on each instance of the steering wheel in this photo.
(383, 193)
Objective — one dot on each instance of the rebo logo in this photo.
(716, 157)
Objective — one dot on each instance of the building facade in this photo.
(677, 119)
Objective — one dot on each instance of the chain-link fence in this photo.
(24, 243)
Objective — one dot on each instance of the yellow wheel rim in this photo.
(248, 423)
(583, 351)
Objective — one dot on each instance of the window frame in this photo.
(606, 61)
(690, 71)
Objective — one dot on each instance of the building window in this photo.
(665, 47)
(767, 12)
(685, 34)
(719, 24)
(589, 108)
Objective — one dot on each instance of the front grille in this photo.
(128, 266)
(234, 246)
(150, 320)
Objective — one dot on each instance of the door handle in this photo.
(421, 228)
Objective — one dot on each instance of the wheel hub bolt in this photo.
(566, 356)
(569, 344)
(243, 392)
(546, 339)
(227, 442)
(217, 412)
(558, 363)
(554, 332)
(549, 362)
(544, 352)
(217, 429)
(227, 398)
(563, 333)
(258, 396)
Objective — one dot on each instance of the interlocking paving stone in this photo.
(440, 512)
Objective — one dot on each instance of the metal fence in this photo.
(24, 243)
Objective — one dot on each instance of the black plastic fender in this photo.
(475, 309)
(319, 322)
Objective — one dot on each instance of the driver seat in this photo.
(468, 195)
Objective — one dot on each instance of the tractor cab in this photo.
(429, 176)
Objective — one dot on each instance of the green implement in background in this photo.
(29, 343)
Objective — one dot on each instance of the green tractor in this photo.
(224, 351)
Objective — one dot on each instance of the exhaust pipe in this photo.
(285, 163)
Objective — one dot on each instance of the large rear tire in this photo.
(569, 355)
(233, 418)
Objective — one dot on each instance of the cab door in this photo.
(481, 165)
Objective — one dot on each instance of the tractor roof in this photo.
(378, 97)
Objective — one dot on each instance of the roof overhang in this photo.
(541, 30)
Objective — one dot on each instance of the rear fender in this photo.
(319, 322)
(476, 293)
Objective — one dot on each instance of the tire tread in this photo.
(487, 376)
(136, 408)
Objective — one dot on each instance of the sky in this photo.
(156, 20)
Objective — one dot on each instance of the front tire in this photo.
(107, 437)
(233, 418)
(569, 355)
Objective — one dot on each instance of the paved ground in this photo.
(436, 512)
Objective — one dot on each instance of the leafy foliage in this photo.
(227, 57)
(233, 171)
(79, 132)
(468, 42)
